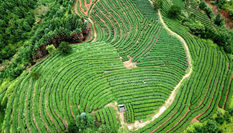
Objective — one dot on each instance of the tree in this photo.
(105, 129)
(209, 12)
(228, 49)
(64, 48)
(231, 14)
(174, 11)
(210, 127)
(202, 5)
(221, 3)
(50, 48)
(218, 20)
(84, 122)
(35, 75)
(157, 4)
(26, 26)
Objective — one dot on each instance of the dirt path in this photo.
(91, 25)
(181, 39)
(137, 125)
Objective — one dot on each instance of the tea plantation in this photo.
(166, 77)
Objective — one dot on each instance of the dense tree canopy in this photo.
(16, 21)
(57, 24)
(64, 48)
(174, 11)
(85, 123)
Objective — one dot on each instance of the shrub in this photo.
(174, 11)
(221, 3)
(35, 75)
(64, 48)
(202, 5)
(209, 12)
(218, 20)
(157, 4)
(50, 48)
(104, 129)
(83, 123)
(228, 49)
(231, 14)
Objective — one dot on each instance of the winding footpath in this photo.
(93, 30)
(137, 125)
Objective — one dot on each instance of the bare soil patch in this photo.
(129, 64)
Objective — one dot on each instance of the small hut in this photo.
(122, 107)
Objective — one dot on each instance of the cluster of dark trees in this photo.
(58, 24)
(208, 10)
(157, 4)
(217, 20)
(220, 34)
(213, 124)
(85, 123)
(54, 31)
(174, 11)
(16, 21)
(225, 5)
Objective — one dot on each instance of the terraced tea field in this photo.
(165, 77)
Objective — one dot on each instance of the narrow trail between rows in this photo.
(91, 25)
(138, 124)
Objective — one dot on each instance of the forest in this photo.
(30, 27)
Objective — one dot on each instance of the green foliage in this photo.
(174, 11)
(104, 129)
(83, 123)
(64, 48)
(157, 4)
(93, 76)
(35, 75)
(199, 94)
(219, 119)
(207, 127)
(220, 35)
(2, 114)
(107, 117)
(146, 8)
(196, 27)
(50, 48)
(16, 21)
(218, 20)
(209, 12)
(203, 6)
(210, 43)
(220, 3)
(89, 61)
(228, 49)
(56, 25)
(231, 14)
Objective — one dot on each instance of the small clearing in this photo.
(129, 64)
